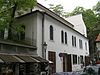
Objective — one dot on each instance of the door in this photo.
(87, 60)
(65, 63)
(52, 57)
(69, 64)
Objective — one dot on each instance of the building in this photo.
(20, 59)
(78, 23)
(18, 56)
(98, 47)
(67, 47)
(98, 42)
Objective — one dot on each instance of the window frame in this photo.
(62, 36)
(65, 37)
(80, 44)
(86, 45)
(22, 33)
(73, 41)
(51, 32)
(74, 59)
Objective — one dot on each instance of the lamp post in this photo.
(44, 49)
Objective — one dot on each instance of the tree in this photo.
(8, 10)
(90, 20)
(96, 8)
(77, 10)
(58, 9)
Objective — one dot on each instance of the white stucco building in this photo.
(67, 47)
(78, 23)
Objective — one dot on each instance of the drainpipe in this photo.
(42, 33)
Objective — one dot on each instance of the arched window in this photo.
(72, 40)
(62, 36)
(51, 32)
(2, 34)
(65, 37)
(22, 33)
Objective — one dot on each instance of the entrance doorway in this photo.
(67, 65)
(52, 57)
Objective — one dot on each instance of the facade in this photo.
(18, 55)
(20, 59)
(78, 23)
(67, 48)
(98, 42)
(98, 46)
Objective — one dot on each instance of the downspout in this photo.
(42, 33)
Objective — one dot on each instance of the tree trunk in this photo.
(11, 22)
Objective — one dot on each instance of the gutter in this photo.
(42, 33)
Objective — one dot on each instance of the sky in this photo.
(69, 5)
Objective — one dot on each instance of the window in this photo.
(6, 33)
(2, 34)
(80, 44)
(74, 41)
(51, 32)
(81, 59)
(62, 36)
(65, 37)
(21, 35)
(78, 59)
(74, 59)
(85, 45)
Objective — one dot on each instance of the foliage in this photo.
(58, 9)
(77, 10)
(97, 8)
(8, 10)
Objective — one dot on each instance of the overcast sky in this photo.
(69, 5)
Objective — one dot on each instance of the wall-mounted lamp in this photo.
(44, 49)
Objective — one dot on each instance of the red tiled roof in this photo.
(98, 38)
(98, 62)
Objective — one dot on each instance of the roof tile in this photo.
(98, 38)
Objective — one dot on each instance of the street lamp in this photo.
(44, 49)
